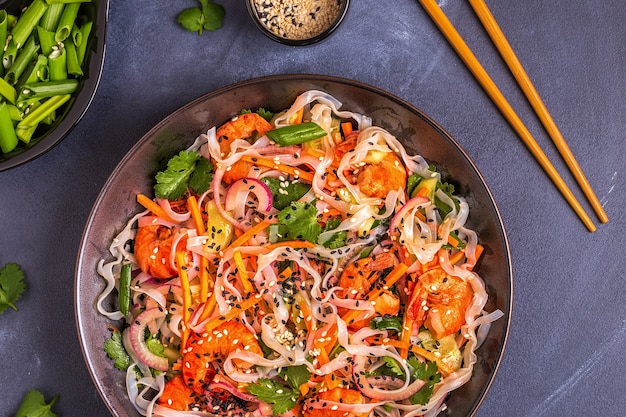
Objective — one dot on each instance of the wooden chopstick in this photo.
(509, 56)
(448, 30)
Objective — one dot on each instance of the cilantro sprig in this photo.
(186, 170)
(34, 405)
(299, 220)
(12, 286)
(208, 16)
(115, 350)
(283, 397)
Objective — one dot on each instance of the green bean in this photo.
(47, 107)
(24, 57)
(27, 22)
(8, 138)
(45, 89)
(64, 28)
(124, 291)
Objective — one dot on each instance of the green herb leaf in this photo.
(34, 405)
(173, 182)
(426, 371)
(296, 375)
(115, 350)
(300, 221)
(387, 323)
(12, 286)
(273, 392)
(286, 191)
(338, 239)
(208, 17)
(202, 176)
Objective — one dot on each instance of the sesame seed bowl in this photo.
(297, 22)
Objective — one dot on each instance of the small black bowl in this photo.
(298, 29)
(81, 99)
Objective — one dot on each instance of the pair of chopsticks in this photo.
(498, 38)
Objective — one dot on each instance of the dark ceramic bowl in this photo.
(257, 17)
(73, 110)
(134, 174)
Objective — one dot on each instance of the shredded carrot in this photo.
(209, 306)
(297, 117)
(405, 337)
(346, 128)
(192, 206)
(248, 234)
(184, 283)
(236, 310)
(204, 278)
(294, 244)
(397, 273)
(153, 207)
(243, 272)
(457, 257)
(269, 163)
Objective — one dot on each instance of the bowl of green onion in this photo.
(52, 58)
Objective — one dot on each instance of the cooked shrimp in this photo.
(240, 127)
(379, 173)
(216, 346)
(357, 280)
(440, 301)
(178, 395)
(153, 247)
(358, 276)
(316, 407)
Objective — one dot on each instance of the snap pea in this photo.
(296, 134)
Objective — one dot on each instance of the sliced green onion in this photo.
(296, 134)
(7, 91)
(34, 117)
(23, 59)
(73, 66)
(27, 22)
(8, 138)
(9, 54)
(50, 19)
(66, 22)
(57, 64)
(124, 292)
(46, 89)
(85, 30)
(46, 40)
(76, 35)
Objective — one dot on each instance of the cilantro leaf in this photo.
(387, 323)
(208, 17)
(426, 371)
(202, 176)
(296, 375)
(300, 221)
(115, 350)
(12, 286)
(186, 169)
(338, 239)
(34, 405)
(273, 392)
(285, 191)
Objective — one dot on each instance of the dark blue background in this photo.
(567, 340)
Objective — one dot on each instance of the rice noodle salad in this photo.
(296, 263)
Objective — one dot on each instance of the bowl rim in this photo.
(80, 104)
(298, 42)
(145, 139)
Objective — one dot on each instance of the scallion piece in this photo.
(10, 52)
(47, 107)
(57, 64)
(27, 22)
(296, 134)
(66, 22)
(7, 91)
(4, 28)
(124, 291)
(8, 138)
(23, 59)
(81, 49)
(46, 89)
(46, 40)
(73, 66)
(50, 19)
